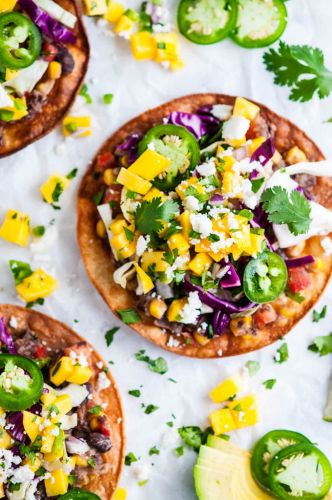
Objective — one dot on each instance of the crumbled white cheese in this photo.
(236, 127)
(100, 365)
(103, 381)
(222, 111)
(201, 224)
(207, 168)
(142, 245)
(192, 204)
(219, 352)
(79, 358)
(172, 342)
(192, 309)
(13, 322)
(326, 244)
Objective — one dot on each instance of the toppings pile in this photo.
(200, 214)
(54, 431)
(33, 54)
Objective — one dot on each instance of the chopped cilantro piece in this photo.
(269, 384)
(20, 270)
(85, 93)
(91, 462)
(130, 458)
(179, 451)
(282, 354)
(109, 335)
(256, 184)
(129, 234)
(129, 316)
(72, 174)
(96, 410)
(149, 215)
(135, 392)
(193, 436)
(98, 197)
(253, 367)
(37, 302)
(151, 409)
(38, 231)
(158, 365)
(154, 451)
(294, 296)
(322, 345)
(108, 98)
(317, 316)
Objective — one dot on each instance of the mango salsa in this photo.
(16, 228)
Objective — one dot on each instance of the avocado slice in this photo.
(223, 472)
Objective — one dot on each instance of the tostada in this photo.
(204, 224)
(61, 422)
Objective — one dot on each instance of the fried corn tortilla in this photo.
(100, 266)
(56, 335)
(16, 135)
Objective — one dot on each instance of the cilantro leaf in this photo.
(149, 215)
(317, 316)
(193, 436)
(136, 393)
(20, 270)
(109, 335)
(300, 67)
(269, 384)
(282, 354)
(292, 209)
(129, 315)
(130, 458)
(151, 409)
(158, 365)
(322, 345)
(253, 367)
(153, 451)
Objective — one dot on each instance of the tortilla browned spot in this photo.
(19, 134)
(99, 266)
(58, 336)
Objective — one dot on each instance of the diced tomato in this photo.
(40, 352)
(49, 51)
(105, 159)
(104, 429)
(265, 315)
(298, 279)
(112, 193)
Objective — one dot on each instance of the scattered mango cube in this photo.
(78, 126)
(114, 11)
(222, 421)
(120, 494)
(52, 189)
(54, 70)
(200, 263)
(133, 182)
(57, 483)
(227, 389)
(95, 7)
(16, 228)
(157, 308)
(79, 375)
(245, 108)
(31, 423)
(143, 45)
(175, 310)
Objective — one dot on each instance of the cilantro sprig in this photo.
(301, 68)
(322, 345)
(149, 215)
(292, 209)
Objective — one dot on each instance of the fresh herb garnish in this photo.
(158, 365)
(153, 451)
(151, 409)
(129, 234)
(150, 215)
(317, 316)
(109, 335)
(193, 436)
(301, 68)
(98, 197)
(129, 315)
(179, 451)
(282, 354)
(108, 98)
(135, 392)
(253, 367)
(20, 270)
(38, 231)
(72, 174)
(322, 345)
(269, 384)
(37, 302)
(96, 410)
(130, 458)
(292, 209)
(294, 296)
(85, 93)
(256, 184)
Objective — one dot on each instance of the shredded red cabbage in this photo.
(214, 301)
(198, 124)
(6, 338)
(220, 322)
(262, 154)
(47, 24)
(231, 278)
(15, 427)
(129, 147)
(299, 262)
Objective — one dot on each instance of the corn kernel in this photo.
(157, 308)
(108, 176)
(239, 326)
(295, 155)
(80, 461)
(222, 421)
(286, 312)
(16, 228)
(54, 70)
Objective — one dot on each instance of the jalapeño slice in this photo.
(177, 144)
(259, 23)
(206, 21)
(20, 41)
(21, 382)
(266, 448)
(300, 471)
(265, 278)
(78, 493)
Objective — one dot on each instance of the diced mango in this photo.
(54, 70)
(167, 47)
(6, 5)
(245, 108)
(127, 251)
(74, 124)
(244, 411)
(2, 491)
(185, 223)
(18, 110)
(124, 23)
(52, 189)
(178, 242)
(133, 182)
(175, 309)
(114, 11)
(108, 177)
(80, 461)
(79, 375)
(236, 143)
(227, 389)
(47, 398)
(231, 183)
(149, 165)
(117, 226)
(31, 423)
(5, 440)
(255, 144)
(256, 242)
(10, 73)
(16, 228)
(143, 45)
(63, 403)
(157, 308)
(155, 259)
(200, 263)
(246, 403)
(122, 246)
(119, 494)
(57, 483)
(48, 437)
(36, 286)
(228, 162)
(95, 7)
(177, 64)
(33, 462)
(295, 155)
(61, 371)
(144, 279)
(222, 421)
(155, 193)
(217, 256)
